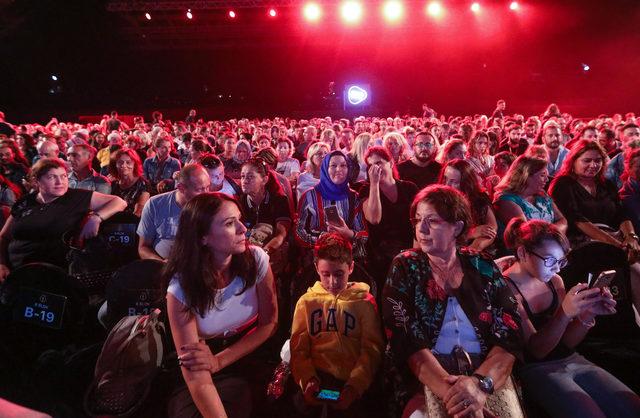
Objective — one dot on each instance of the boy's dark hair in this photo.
(333, 247)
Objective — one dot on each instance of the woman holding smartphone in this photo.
(314, 213)
(554, 321)
(330, 206)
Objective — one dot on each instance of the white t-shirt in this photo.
(231, 311)
(288, 167)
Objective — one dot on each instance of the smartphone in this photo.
(604, 279)
(328, 395)
(332, 214)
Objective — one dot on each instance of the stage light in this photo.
(189, 14)
(393, 10)
(148, 16)
(312, 12)
(54, 77)
(585, 67)
(273, 12)
(356, 95)
(351, 11)
(232, 14)
(514, 5)
(475, 7)
(435, 9)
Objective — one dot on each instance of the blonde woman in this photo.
(361, 144)
(328, 136)
(311, 175)
(397, 146)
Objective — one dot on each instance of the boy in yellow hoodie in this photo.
(336, 338)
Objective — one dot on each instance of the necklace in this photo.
(446, 277)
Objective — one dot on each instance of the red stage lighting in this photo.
(148, 16)
(232, 14)
(351, 11)
(189, 14)
(475, 7)
(435, 9)
(312, 12)
(393, 10)
(273, 13)
(514, 5)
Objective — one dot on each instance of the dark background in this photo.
(459, 65)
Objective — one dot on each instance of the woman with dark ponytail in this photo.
(554, 321)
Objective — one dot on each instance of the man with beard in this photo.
(514, 143)
(551, 136)
(422, 169)
(530, 131)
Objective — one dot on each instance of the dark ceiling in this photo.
(106, 55)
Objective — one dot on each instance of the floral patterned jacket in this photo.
(414, 306)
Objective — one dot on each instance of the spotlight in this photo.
(189, 14)
(351, 11)
(435, 9)
(514, 5)
(586, 67)
(393, 10)
(273, 12)
(312, 12)
(54, 77)
(148, 16)
(232, 14)
(475, 7)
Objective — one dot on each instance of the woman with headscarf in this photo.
(331, 196)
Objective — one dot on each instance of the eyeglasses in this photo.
(423, 145)
(432, 223)
(551, 261)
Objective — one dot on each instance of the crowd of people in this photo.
(417, 257)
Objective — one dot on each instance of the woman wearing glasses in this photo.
(554, 321)
(450, 318)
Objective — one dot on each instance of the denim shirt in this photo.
(614, 169)
(151, 165)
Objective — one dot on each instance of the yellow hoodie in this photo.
(340, 335)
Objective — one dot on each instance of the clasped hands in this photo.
(198, 357)
(464, 397)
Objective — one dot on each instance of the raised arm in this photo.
(372, 205)
(484, 235)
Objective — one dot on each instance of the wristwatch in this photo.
(485, 383)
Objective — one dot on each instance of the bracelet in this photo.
(92, 213)
(588, 325)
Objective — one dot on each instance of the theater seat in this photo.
(42, 308)
(134, 289)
